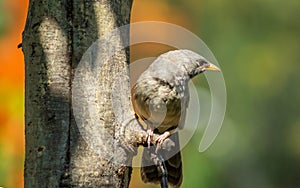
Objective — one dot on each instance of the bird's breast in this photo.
(164, 114)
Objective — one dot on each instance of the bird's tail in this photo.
(151, 170)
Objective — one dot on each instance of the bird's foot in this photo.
(160, 139)
(149, 136)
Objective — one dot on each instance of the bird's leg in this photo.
(161, 138)
(149, 136)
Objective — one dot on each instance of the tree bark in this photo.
(64, 74)
(56, 35)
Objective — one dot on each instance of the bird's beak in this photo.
(212, 67)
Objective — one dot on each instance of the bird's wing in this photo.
(184, 105)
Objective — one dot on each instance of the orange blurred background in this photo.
(11, 93)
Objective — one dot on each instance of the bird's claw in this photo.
(149, 137)
(160, 139)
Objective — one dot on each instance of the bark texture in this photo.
(56, 35)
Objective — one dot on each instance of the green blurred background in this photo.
(257, 44)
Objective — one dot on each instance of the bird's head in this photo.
(202, 65)
(205, 65)
(189, 62)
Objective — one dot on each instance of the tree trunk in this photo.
(56, 35)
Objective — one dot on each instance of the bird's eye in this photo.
(202, 62)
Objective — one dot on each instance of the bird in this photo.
(160, 100)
